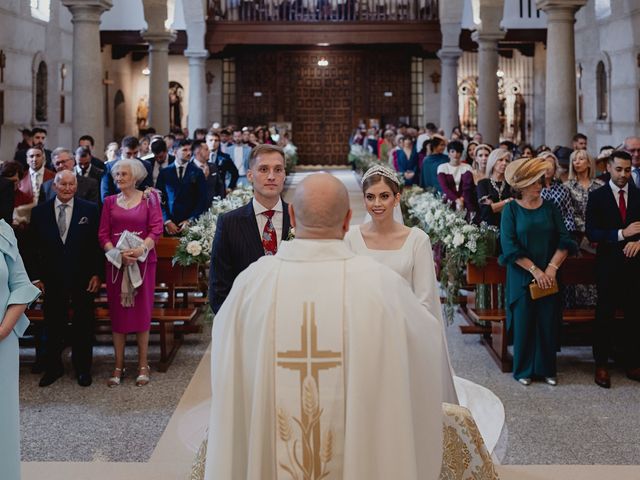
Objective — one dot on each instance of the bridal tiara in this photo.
(381, 170)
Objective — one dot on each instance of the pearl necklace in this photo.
(123, 202)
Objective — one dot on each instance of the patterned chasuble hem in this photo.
(309, 387)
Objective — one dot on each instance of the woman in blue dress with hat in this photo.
(16, 292)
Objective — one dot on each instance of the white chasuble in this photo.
(309, 375)
(324, 365)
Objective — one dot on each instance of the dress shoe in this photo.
(49, 377)
(525, 381)
(602, 378)
(553, 381)
(634, 374)
(84, 379)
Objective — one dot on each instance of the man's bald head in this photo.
(320, 207)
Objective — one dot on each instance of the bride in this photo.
(408, 252)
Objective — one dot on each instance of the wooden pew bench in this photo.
(176, 304)
(494, 335)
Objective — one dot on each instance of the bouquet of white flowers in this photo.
(196, 240)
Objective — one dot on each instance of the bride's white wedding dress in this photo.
(414, 263)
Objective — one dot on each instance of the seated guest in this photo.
(527, 151)
(556, 192)
(429, 172)
(385, 146)
(534, 243)
(183, 190)
(456, 180)
(613, 221)
(212, 175)
(128, 150)
(87, 188)
(494, 192)
(226, 168)
(68, 270)
(469, 155)
(393, 353)
(37, 174)
(406, 161)
(85, 166)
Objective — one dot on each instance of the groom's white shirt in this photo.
(320, 340)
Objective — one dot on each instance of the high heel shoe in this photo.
(143, 376)
(116, 378)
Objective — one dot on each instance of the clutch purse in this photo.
(537, 292)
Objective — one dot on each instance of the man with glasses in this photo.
(87, 188)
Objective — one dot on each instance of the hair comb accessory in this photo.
(381, 170)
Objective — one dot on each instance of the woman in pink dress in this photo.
(130, 310)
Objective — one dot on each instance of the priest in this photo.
(324, 363)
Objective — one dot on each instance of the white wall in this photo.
(22, 38)
(612, 39)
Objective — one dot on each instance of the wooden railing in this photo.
(323, 10)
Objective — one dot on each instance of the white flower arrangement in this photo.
(460, 242)
(197, 239)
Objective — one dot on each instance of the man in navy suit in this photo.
(129, 149)
(226, 168)
(68, 269)
(183, 190)
(247, 233)
(613, 221)
(239, 153)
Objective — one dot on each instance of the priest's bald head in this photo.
(320, 208)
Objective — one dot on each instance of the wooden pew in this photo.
(573, 271)
(170, 322)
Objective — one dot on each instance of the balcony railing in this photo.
(323, 10)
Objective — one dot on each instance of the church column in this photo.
(449, 117)
(159, 79)
(88, 116)
(488, 102)
(560, 97)
(197, 90)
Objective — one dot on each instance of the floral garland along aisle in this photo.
(457, 241)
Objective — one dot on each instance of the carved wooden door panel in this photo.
(326, 99)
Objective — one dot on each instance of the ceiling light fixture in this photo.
(323, 62)
(146, 71)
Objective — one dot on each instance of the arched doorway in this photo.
(119, 117)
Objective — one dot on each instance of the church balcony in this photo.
(323, 23)
(314, 11)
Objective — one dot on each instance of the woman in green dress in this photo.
(534, 242)
(16, 292)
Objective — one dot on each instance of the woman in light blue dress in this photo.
(16, 292)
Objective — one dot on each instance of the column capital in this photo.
(560, 9)
(196, 54)
(449, 54)
(87, 10)
(479, 36)
(158, 38)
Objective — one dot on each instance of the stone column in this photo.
(197, 90)
(88, 114)
(159, 79)
(488, 102)
(560, 96)
(449, 117)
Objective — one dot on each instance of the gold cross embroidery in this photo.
(309, 360)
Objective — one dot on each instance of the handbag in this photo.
(537, 292)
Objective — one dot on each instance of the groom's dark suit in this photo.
(65, 269)
(616, 275)
(236, 245)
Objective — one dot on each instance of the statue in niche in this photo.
(176, 92)
(142, 112)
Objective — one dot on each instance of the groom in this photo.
(324, 363)
(247, 233)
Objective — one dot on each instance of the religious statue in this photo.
(176, 92)
(142, 112)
